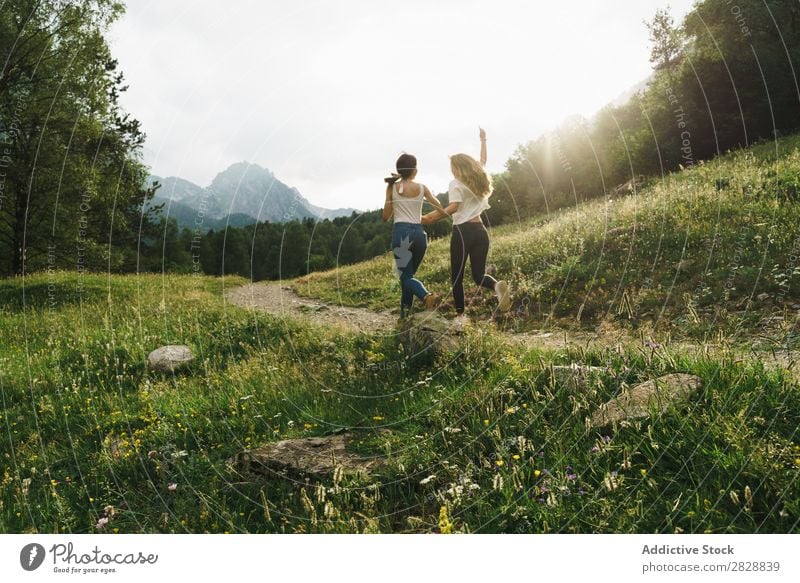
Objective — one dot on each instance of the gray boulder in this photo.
(311, 456)
(425, 333)
(170, 358)
(655, 395)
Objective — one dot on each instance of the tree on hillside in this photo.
(666, 41)
(723, 79)
(72, 179)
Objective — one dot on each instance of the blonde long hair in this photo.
(471, 174)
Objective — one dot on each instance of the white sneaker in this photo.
(503, 292)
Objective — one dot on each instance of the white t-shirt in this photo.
(470, 205)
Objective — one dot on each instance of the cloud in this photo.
(328, 94)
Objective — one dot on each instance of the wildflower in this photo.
(594, 449)
(152, 454)
(541, 453)
(101, 523)
(606, 438)
(581, 492)
(377, 418)
(515, 456)
(109, 511)
(445, 526)
(572, 476)
(307, 426)
(797, 462)
(536, 473)
(524, 405)
(486, 423)
(643, 472)
(427, 480)
(172, 486)
(499, 463)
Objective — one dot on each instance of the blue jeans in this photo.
(409, 243)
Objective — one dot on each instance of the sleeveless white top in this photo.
(407, 209)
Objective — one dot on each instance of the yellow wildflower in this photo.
(445, 526)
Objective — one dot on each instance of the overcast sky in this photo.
(328, 94)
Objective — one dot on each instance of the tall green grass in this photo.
(480, 443)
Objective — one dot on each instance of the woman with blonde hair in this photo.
(469, 193)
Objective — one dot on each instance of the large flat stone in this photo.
(312, 456)
(656, 395)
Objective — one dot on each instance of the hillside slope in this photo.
(713, 246)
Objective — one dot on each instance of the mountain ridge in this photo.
(243, 190)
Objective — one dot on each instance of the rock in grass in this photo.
(655, 395)
(425, 333)
(170, 358)
(311, 456)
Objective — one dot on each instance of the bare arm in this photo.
(434, 202)
(438, 214)
(388, 209)
(483, 146)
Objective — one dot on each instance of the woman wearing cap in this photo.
(404, 199)
(469, 193)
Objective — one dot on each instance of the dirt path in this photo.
(281, 300)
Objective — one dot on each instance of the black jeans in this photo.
(469, 240)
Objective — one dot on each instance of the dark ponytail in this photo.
(406, 164)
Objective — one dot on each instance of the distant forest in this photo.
(72, 184)
(276, 250)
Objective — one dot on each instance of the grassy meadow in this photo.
(92, 441)
(688, 254)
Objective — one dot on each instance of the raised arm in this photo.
(483, 146)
